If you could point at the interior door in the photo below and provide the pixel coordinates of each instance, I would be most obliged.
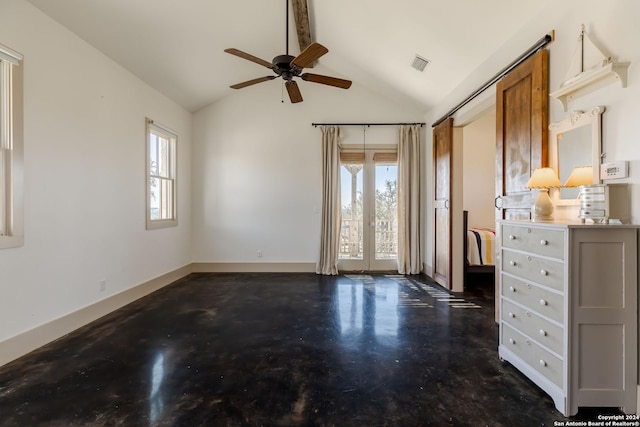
(521, 134)
(442, 160)
(522, 120)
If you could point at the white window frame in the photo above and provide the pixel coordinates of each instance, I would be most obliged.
(171, 175)
(11, 150)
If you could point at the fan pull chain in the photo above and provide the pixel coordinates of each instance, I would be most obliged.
(282, 94)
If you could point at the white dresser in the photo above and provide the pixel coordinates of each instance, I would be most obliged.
(568, 310)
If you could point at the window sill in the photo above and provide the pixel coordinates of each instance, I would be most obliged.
(154, 225)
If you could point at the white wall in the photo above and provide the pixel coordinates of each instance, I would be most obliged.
(258, 167)
(84, 137)
(614, 26)
(479, 170)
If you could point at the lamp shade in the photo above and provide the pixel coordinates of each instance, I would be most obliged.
(544, 178)
(580, 175)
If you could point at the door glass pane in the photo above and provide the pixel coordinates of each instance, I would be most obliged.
(352, 214)
(386, 209)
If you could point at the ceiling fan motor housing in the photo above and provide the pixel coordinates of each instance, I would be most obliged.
(282, 66)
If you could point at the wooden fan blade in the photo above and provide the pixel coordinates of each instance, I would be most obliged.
(326, 80)
(294, 91)
(249, 57)
(252, 82)
(310, 54)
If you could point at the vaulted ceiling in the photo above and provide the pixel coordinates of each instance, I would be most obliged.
(177, 47)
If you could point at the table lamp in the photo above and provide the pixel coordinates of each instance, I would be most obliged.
(543, 179)
(580, 175)
(593, 205)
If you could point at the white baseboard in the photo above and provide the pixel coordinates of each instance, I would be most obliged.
(253, 267)
(428, 270)
(30, 340)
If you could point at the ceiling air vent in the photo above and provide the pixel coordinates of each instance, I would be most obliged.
(419, 63)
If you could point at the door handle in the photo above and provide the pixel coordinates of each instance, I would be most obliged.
(497, 202)
(446, 204)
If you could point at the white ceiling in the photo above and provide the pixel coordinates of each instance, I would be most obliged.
(177, 46)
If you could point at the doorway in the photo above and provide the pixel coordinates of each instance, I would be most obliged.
(479, 169)
(521, 103)
(369, 203)
(478, 194)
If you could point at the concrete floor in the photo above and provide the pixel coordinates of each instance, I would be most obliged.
(281, 349)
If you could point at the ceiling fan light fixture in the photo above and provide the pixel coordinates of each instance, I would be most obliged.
(420, 63)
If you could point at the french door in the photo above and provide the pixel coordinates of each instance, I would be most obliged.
(369, 201)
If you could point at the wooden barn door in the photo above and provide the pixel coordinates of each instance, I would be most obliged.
(442, 160)
(522, 116)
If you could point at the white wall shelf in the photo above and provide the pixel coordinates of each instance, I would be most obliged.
(590, 80)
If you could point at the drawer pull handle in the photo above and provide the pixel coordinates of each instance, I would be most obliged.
(512, 289)
(544, 242)
(512, 315)
(543, 302)
(512, 237)
(543, 363)
(544, 272)
(512, 341)
(512, 263)
(543, 332)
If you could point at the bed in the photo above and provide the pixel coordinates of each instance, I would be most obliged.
(479, 246)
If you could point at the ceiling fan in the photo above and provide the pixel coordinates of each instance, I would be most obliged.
(288, 67)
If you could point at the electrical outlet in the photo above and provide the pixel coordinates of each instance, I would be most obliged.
(103, 285)
(259, 254)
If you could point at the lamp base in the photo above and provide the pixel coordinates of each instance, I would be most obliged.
(543, 207)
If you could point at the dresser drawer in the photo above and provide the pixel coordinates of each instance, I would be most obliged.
(539, 299)
(539, 270)
(535, 240)
(593, 213)
(592, 189)
(535, 356)
(599, 205)
(529, 323)
(593, 198)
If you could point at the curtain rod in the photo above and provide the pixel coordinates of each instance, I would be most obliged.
(365, 124)
(548, 38)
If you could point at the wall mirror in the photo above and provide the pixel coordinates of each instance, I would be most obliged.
(575, 141)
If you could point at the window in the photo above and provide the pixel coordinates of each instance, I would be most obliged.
(11, 149)
(161, 176)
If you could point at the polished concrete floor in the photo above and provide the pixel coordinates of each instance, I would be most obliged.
(280, 350)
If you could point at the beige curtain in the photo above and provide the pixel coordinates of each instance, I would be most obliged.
(409, 212)
(330, 228)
